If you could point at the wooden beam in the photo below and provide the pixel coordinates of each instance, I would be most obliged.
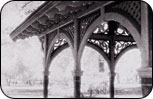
(100, 37)
(124, 38)
(108, 37)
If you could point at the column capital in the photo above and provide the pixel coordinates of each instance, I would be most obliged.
(145, 72)
(77, 73)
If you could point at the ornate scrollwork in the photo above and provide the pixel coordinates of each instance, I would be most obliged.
(86, 21)
(104, 45)
(133, 8)
(120, 45)
(59, 42)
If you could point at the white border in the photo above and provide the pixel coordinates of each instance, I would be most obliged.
(2, 2)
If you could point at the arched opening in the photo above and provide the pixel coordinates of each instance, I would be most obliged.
(112, 37)
(60, 77)
(126, 23)
(60, 41)
(95, 78)
(56, 15)
(127, 81)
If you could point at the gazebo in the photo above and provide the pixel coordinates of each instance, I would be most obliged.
(109, 27)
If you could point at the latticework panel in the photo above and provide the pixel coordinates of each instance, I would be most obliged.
(131, 9)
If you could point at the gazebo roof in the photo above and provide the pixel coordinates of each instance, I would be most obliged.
(52, 15)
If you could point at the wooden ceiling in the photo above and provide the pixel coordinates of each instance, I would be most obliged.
(53, 14)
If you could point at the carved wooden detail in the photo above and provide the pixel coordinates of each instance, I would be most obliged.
(121, 45)
(86, 21)
(69, 30)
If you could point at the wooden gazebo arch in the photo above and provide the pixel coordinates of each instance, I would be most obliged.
(77, 21)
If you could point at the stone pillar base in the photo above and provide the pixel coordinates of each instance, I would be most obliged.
(146, 80)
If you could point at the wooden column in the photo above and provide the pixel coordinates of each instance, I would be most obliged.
(112, 27)
(77, 71)
(145, 72)
(112, 78)
(46, 81)
(77, 83)
(46, 72)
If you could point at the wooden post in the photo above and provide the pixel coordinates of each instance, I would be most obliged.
(77, 83)
(145, 72)
(112, 89)
(46, 72)
(46, 81)
(112, 27)
(77, 71)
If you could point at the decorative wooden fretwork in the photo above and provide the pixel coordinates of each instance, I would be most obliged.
(86, 21)
(103, 44)
(69, 30)
(120, 38)
(59, 42)
(121, 45)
